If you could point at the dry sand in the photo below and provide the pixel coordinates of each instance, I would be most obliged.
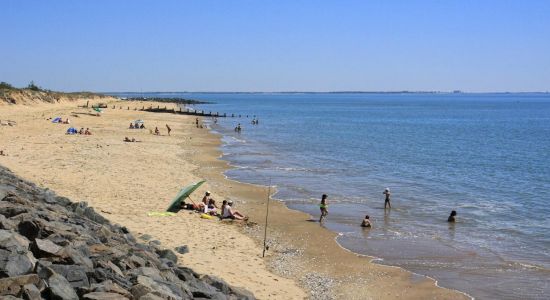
(125, 181)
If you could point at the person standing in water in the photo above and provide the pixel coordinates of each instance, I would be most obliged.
(387, 201)
(324, 207)
(451, 218)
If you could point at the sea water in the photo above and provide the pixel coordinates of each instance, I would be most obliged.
(487, 156)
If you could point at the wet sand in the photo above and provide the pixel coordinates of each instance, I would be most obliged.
(124, 181)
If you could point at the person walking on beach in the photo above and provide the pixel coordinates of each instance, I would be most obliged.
(324, 207)
(387, 201)
(169, 129)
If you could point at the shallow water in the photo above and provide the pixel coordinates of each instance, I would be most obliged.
(485, 155)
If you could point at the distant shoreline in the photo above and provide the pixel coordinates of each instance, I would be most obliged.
(330, 92)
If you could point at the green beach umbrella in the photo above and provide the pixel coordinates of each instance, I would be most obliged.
(97, 109)
(183, 194)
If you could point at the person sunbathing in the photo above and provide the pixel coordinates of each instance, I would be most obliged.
(126, 139)
(203, 205)
(230, 213)
(87, 132)
(132, 126)
(212, 207)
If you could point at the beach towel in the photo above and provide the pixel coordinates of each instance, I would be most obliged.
(160, 214)
(72, 130)
(57, 120)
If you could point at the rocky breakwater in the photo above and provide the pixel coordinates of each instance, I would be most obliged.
(52, 248)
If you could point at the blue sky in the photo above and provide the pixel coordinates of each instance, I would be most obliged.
(277, 45)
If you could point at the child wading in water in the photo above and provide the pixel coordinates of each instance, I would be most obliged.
(324, 207)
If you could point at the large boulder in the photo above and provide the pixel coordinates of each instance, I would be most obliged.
(60, 288)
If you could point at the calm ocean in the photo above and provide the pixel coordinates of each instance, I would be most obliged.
(485, 155)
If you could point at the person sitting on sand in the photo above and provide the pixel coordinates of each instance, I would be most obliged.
(387, 200)
(212, 207)
(451, 218)
(366, 222)
(81, 131)
(2, 153)
(157, 132)
(142, 126)
(67, 121)
(203, 205)
(87, 132)
(324, 207)
(126, 139)
(229, 213)
(132, 126)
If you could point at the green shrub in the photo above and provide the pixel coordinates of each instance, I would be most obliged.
(33, 87)
(6, 86)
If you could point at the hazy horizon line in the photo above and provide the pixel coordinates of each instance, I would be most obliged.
(326, 92)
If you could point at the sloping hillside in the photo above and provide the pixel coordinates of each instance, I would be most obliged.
(10, 96)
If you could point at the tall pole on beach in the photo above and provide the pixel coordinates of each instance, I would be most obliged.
(266, 215)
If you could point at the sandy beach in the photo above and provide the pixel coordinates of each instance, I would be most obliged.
(124, 181)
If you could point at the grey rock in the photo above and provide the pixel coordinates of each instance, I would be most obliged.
(136, 261)
(111, 287)
(75, 275)
(45, 248)
(154, 243)
(150, 296)
(13, 241)
(100, 275)
(216, 282)
(29, 229)
(104, 296)
(82, 209)
(160, 288)
(16, 263)
(77, 257)
(186, 274)
(145, 237)
(139, 290)
(60, 288)
(166, 264)
(13, 283)
(10, 211)
(146, 271)
(6, 223)
(168, 254)
(200, 289)
(42, 268)
(241, 294)
(31, 292)
(182, 249)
